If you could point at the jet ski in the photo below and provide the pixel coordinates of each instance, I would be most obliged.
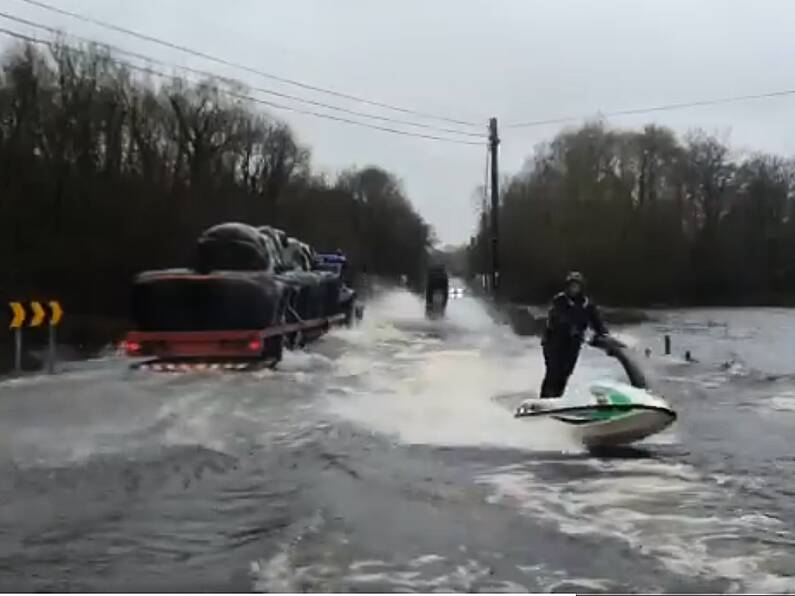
(612, 413)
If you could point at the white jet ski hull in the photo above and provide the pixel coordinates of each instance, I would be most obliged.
(633, 427)
(611, 414)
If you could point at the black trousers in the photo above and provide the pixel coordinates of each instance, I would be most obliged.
(560, 359)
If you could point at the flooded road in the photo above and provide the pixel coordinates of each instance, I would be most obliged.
(380, 461)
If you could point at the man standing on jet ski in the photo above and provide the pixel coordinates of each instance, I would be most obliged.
(570, 315)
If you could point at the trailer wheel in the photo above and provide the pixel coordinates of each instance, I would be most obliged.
(292, 315)
(274, 349)
(350, 314)
(274, 346)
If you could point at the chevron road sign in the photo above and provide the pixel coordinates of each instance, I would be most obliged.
(34, 314)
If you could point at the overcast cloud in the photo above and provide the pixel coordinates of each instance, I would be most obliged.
(471, 59)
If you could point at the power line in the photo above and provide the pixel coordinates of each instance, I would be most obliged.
(243, 67)
(229, 80)
(245, 97)
(339, 94)
(661, 108)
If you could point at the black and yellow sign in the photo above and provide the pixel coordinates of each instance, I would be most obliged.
(18, 315)
(35, 314)
(56, 313)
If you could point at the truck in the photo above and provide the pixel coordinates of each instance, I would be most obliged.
(250, 293)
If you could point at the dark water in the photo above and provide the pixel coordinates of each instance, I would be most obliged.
(379, 461)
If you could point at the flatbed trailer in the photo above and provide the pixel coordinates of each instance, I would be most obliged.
(173, 351)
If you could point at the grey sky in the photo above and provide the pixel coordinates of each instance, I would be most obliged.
(471, 59)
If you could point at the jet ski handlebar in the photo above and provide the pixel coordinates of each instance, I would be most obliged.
(618, 350)
(606, 343)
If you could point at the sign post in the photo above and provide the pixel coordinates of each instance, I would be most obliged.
(18, 350)
(17, 318)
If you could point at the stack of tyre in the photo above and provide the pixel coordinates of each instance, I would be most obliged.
(243, 278)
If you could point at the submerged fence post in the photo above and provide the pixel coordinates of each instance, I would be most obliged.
(51, 356)
(667, 345)
(18, 350)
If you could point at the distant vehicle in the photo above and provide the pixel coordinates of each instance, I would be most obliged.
(437, 291)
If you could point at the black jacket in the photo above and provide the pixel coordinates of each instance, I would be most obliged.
(569, 318)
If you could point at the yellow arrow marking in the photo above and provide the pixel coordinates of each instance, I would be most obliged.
(19, 315)
(57, 313)
(38, 314)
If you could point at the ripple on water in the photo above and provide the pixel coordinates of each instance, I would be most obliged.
(426, 573)
(665, 510)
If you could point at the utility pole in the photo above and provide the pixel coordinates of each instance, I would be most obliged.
(494, 142)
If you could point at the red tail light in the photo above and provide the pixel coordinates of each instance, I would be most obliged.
(255, 345)
(132, 347)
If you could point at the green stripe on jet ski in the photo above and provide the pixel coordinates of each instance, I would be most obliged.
(614, 397)
(595, 414)
(619, 399)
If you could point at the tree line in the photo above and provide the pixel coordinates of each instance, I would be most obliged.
(104, 173)
(649, 217)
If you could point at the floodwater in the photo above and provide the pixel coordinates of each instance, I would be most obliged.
(379, 460)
